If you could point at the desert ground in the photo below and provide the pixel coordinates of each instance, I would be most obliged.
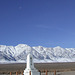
(64, 68)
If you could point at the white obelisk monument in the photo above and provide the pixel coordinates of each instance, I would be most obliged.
(30, 69)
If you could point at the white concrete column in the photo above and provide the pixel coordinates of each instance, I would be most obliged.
(30, 63)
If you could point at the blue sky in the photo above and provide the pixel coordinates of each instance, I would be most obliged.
(48, 23)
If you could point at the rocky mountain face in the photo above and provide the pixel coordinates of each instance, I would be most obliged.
(41, 54)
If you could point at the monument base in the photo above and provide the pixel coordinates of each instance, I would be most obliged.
(31, 72)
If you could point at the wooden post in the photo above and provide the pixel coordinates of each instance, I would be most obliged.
(55, 72)
(10, 73)
(30, 73)
(46, 72)
(40, 72)
(22, 72)
(43, 70)
(16, 73)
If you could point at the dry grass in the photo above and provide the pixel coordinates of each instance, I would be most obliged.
(19, 67)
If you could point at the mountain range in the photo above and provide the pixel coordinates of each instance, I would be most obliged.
(41, 54)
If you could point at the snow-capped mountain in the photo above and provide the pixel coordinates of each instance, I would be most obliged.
(41, 54)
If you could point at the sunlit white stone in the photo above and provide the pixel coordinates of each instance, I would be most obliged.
(30, 66)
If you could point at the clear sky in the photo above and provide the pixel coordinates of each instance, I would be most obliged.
(48, 23)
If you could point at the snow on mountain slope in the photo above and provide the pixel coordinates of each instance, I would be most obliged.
(41, 54)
